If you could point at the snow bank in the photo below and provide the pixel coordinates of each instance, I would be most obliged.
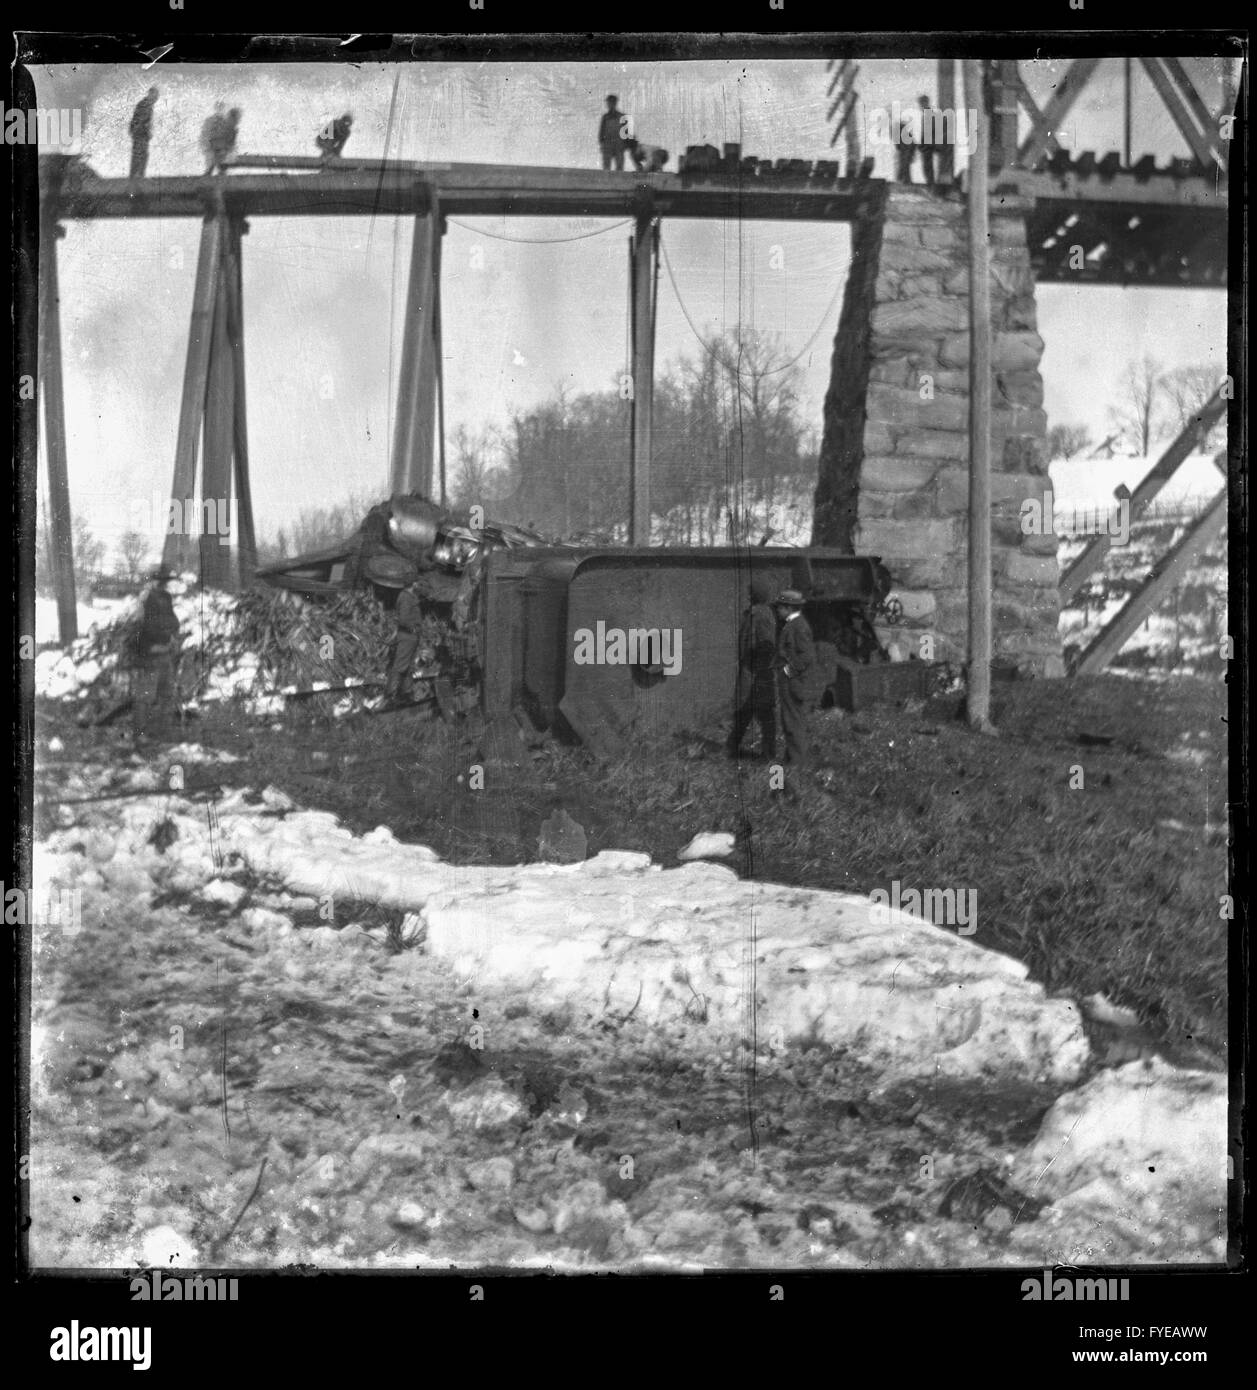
(1142, 1147)
(617, 933)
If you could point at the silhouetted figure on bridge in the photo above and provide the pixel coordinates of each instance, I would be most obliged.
(613, 135)
(141, 129)
(218, 137)
(331, 137)
(914, 138)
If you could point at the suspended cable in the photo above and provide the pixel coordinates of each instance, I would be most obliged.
(776, 371)
(537, 240)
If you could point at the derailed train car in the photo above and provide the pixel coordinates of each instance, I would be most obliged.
(609, 643)
(595, 642)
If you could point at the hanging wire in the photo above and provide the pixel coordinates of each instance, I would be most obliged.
(537, 240)
(776, 371)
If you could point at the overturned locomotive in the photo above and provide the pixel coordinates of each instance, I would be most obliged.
(596, 642)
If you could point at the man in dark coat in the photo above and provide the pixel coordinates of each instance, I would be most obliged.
(796, 656)
(141, 130)
(153, 674)
(409, 614)
(612, 135)
(756, 692)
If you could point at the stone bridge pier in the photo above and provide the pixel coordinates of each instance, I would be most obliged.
(894, 455)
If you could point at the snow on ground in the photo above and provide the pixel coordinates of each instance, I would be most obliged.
(1140, 1148)
(94, 614)
(679, 943)
(206, 621)
(611, 938)
(1081, 482)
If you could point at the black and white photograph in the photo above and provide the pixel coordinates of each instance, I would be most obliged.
(627, 662)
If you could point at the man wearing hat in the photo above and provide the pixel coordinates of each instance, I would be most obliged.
(756, 693)
(153, 674)
(409, 615)
(796, 656)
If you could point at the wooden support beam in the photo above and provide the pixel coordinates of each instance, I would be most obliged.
(978, 682)
(1198, 141)
(469, 190)
(195, 383)
(414, 426)
(1195, 103)
(52, 386)
(216, 456)
(645, 250)
(1042, 140)
(1004, 105)
(1092, 556)
(1166, 574)
(946, 154)
(245, 538)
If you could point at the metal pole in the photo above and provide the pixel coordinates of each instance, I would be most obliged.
(979, 681)
(61, 527)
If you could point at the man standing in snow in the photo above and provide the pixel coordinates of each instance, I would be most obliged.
(153, 674)
(796, 656)
(409, 614)
(756, 695)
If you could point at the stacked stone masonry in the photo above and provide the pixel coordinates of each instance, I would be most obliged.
(905, 492)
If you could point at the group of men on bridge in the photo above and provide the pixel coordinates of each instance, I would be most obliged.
(219, 133)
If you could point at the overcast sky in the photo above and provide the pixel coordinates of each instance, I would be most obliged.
(324, 296)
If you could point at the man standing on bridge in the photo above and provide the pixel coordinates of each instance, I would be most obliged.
(141, 130)
(613, 135)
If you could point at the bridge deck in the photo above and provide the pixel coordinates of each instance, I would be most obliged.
(468, 190)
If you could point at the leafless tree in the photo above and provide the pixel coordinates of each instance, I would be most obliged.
(1139, 413)
(88, 554)
(1066, 441)
(1187, 390)
(132, 553)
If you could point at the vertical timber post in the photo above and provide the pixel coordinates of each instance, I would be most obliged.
(1003, 127)
(246, 539)
(644, 251)
(195, 372)
(220, 415)
(946, 172)
(978, 696)
(439, 358)
(416, 391)
(53, 387)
